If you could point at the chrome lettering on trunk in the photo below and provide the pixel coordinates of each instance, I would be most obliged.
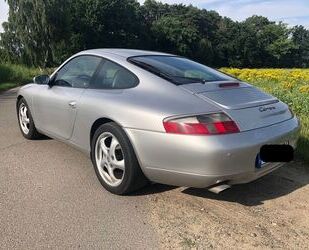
(263, 109)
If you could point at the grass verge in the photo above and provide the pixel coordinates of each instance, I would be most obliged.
(7, 85)
(12, 75)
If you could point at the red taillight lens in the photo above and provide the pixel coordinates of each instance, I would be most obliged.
(212, 124)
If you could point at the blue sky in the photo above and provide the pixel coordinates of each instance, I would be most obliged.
(292, 12)
(3, 13)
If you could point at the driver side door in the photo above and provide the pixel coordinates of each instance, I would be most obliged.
(56, 106)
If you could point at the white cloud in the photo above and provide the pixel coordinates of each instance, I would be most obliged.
(292, 12)
(271, 9)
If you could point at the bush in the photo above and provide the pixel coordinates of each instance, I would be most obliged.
(11, 73)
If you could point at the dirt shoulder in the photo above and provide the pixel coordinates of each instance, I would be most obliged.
(272, 212)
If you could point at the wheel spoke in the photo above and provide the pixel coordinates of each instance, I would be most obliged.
(111, 174)
(117, 164)
(99, 156)
(104, 148)
(24, 119)
(23, 112)
(107, 176)
(112, 148)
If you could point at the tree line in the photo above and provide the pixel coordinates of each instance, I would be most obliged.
(45, 32)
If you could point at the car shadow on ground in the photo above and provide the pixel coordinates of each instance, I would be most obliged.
(43, 138)
(269, 187)
(279, 183)
(153, 188)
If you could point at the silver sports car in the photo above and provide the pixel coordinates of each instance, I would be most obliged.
(149, 116)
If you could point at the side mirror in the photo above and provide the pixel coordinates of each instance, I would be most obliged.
(42, 79)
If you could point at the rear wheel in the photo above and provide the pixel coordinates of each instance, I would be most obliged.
(25, 121)
(114, 160)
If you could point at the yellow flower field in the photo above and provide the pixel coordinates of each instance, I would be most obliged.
(290, 86)
(288, 79)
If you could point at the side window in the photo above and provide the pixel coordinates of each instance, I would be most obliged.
(113, 76)
(78, 72)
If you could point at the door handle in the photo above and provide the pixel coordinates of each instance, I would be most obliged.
(72, 104)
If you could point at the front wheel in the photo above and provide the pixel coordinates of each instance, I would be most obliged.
(25, 120)
(114, 160)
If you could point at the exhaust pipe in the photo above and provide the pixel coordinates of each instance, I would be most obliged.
(218, 189)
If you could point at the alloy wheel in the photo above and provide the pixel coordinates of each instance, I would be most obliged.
(110, 159)
(24, 119)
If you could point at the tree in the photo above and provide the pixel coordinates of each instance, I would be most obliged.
(107, 23)
(45, 32)
(11, 46)
(175, 34)
(300, 38)
(34, 28)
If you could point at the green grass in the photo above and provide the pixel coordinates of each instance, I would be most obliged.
(303, 142)
(7, 85)
(12, 75)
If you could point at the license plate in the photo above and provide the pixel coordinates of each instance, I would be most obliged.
(276, 153)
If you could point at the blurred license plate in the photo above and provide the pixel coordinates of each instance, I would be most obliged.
(277, 153)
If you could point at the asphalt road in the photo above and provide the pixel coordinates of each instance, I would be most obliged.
(50, 197)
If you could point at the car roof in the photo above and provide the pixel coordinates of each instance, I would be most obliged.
(126, 53)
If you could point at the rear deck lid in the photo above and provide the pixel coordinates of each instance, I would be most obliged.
(238, 98)
(248, 106)
(230, 96)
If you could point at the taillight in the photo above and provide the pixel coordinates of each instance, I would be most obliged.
(210, 124)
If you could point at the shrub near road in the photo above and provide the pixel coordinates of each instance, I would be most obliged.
(290, 86)
(12, 75)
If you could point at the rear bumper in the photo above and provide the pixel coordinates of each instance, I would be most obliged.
(201, 161)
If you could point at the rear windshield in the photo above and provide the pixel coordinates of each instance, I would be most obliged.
(179, 70)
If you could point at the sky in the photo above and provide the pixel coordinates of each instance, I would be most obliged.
(4, 9)
(292, 12)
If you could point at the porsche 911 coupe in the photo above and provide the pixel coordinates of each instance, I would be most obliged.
(150, 116)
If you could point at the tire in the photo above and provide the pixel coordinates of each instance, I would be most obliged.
(26, 124)
(114, 160)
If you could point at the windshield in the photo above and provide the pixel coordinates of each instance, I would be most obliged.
(179, 70)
